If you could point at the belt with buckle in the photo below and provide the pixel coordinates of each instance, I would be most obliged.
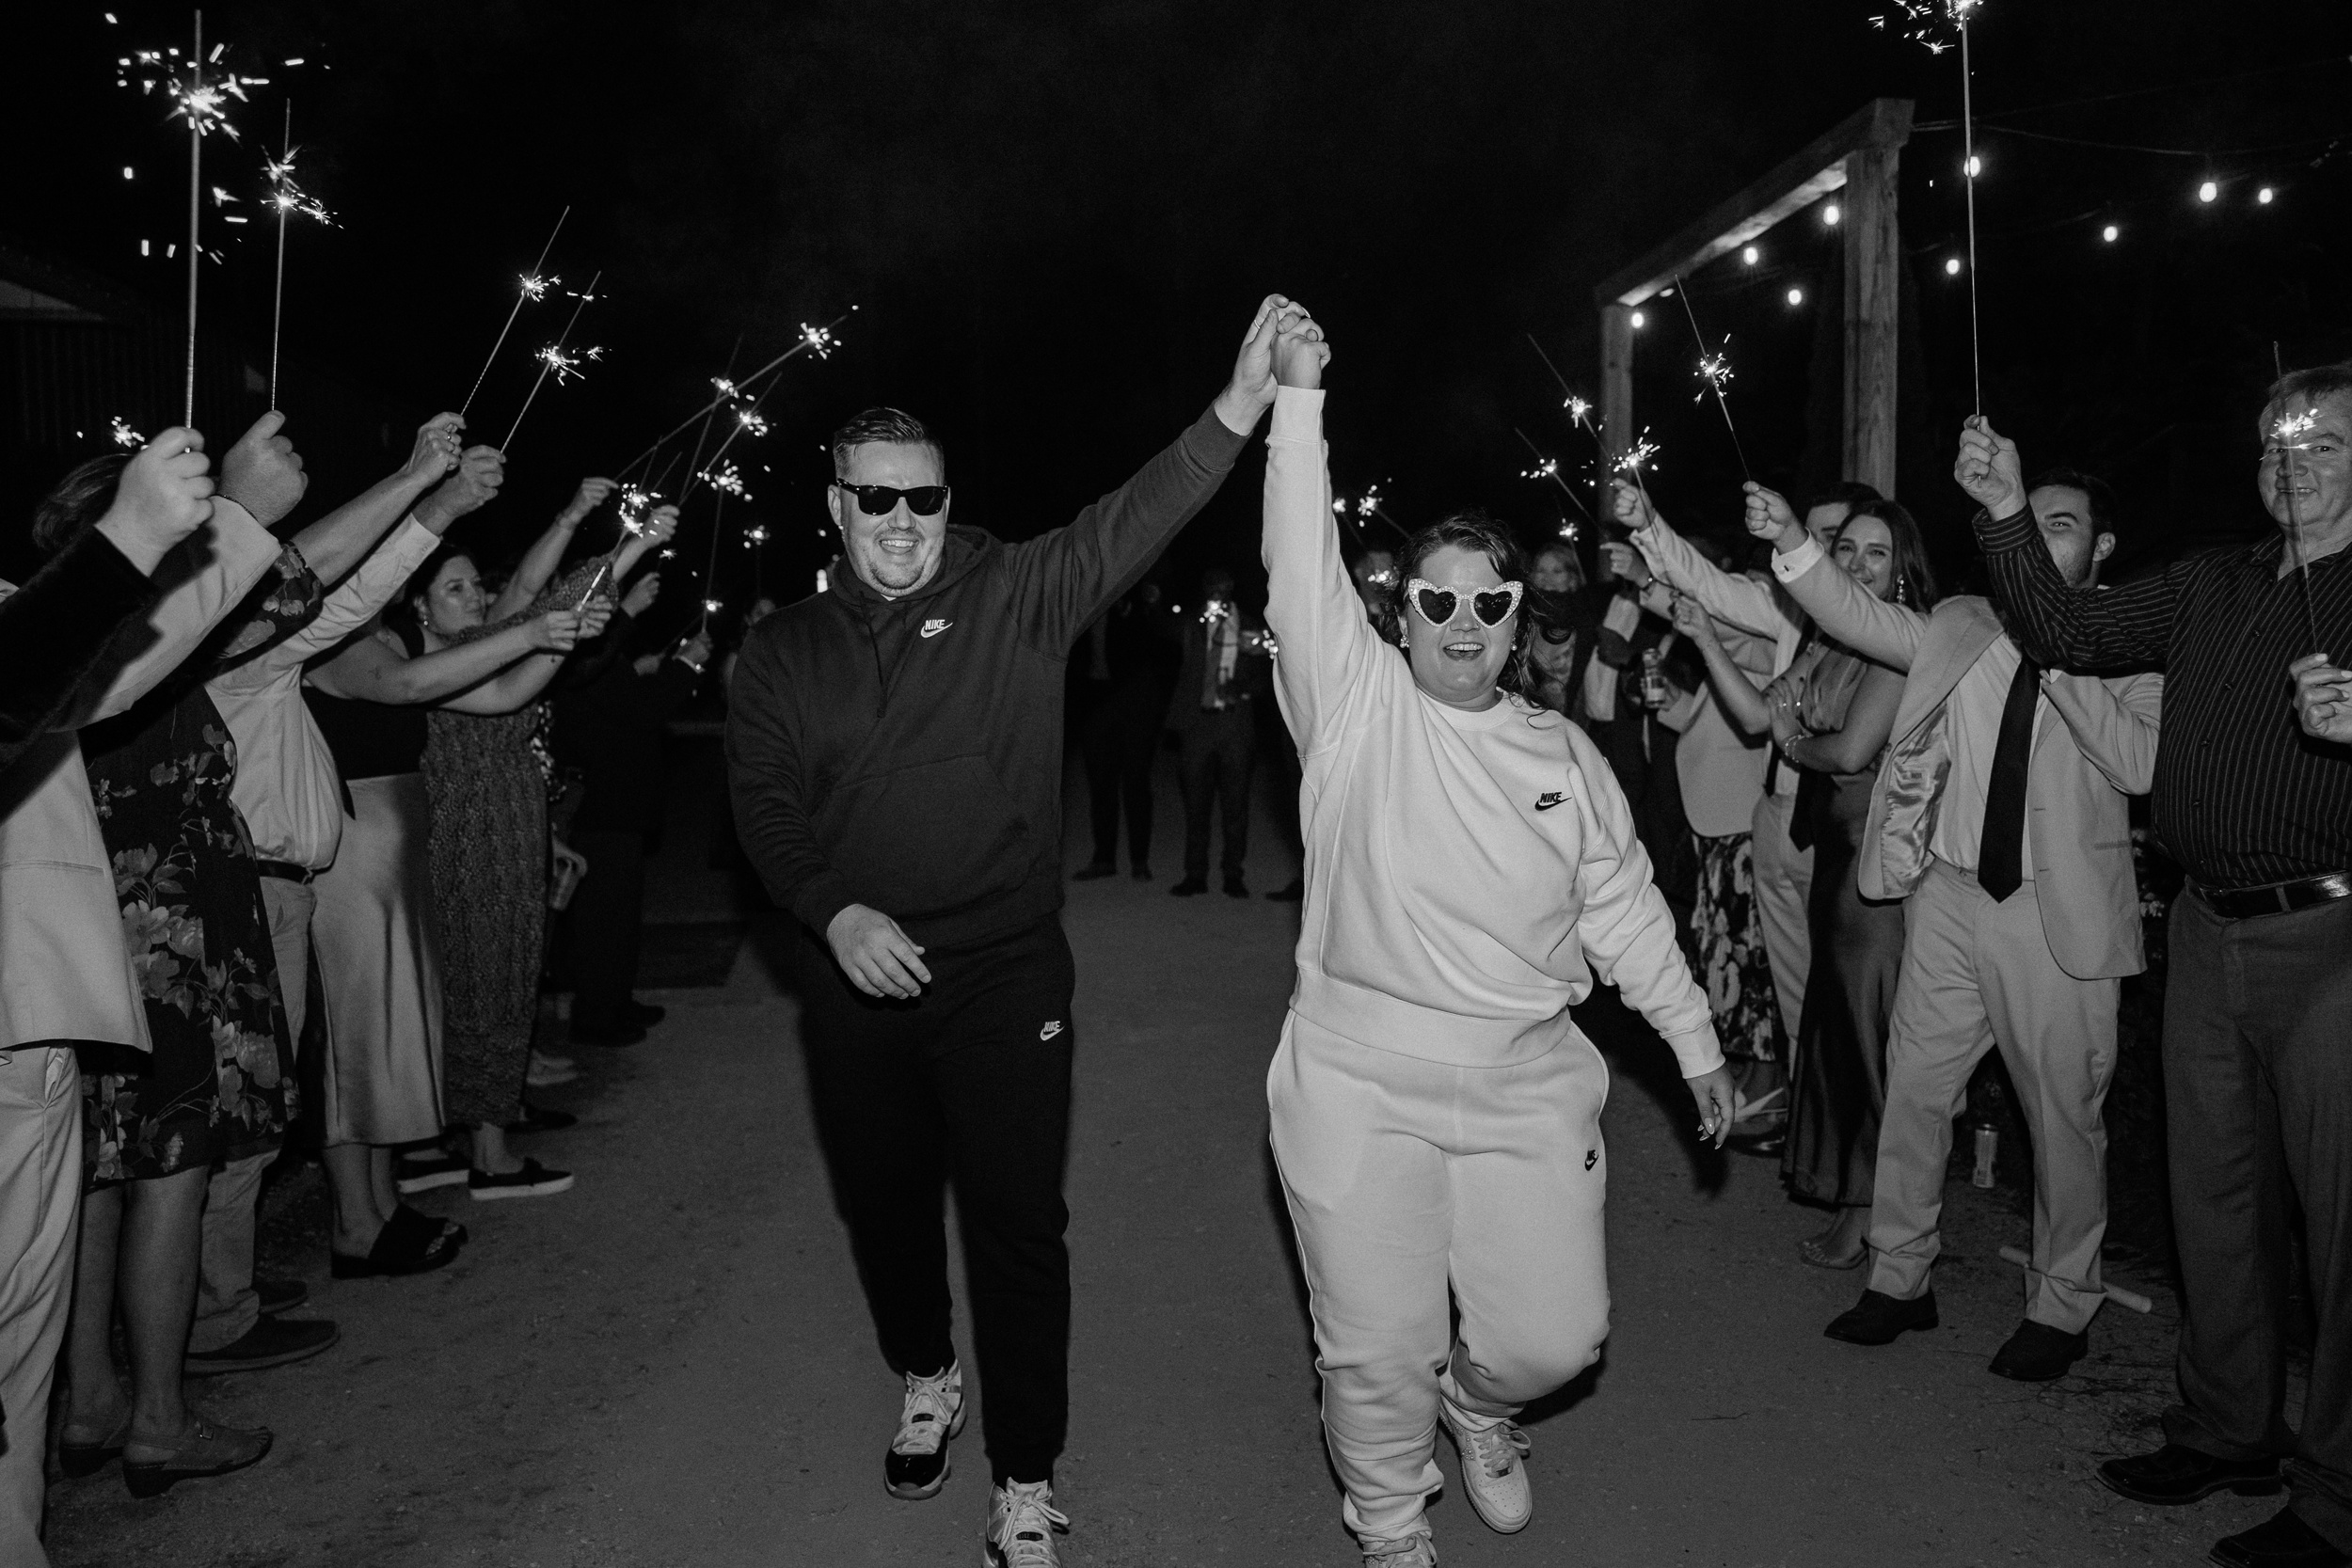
(2244, 903)
(285, 871)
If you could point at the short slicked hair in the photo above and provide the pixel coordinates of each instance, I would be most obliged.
(2314, 386)
(1851, 494)
(894, 426)
(2099, 492)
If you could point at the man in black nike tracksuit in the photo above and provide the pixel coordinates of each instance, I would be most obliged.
(895, 752)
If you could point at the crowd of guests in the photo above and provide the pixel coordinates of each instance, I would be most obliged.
(280, 806)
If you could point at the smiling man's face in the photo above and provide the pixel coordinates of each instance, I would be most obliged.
(897, 552)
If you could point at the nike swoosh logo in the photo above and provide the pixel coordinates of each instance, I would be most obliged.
(932, 628)
(1050, 1030)
(1553, 798)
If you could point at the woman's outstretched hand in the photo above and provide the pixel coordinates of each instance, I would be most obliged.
(1715, 1095)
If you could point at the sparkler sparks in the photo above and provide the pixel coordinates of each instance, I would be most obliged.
(1636, 457)
(727, 479)
(1578, 410)
(752, 422)
(530, 286)
(565, 366)
(1715, 370)
(289, 198)
(818, 340)
(199, 97)
(1922, 22)
(124, 435)
(754, 536)
(534, 287)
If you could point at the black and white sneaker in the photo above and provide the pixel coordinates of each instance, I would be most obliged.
(437, 1169)
(916, 1467)
(1021, 1524)
(533, 1181)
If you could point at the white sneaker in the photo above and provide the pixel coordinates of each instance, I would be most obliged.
(1492, 1473)
(916, 1466)
(1417, 1550)
(1022, 1522)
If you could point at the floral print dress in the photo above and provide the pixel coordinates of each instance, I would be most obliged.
(219, 1083)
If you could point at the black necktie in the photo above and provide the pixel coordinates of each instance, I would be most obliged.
(2000, 851)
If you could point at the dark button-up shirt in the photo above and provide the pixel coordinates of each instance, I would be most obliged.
(2242, 796)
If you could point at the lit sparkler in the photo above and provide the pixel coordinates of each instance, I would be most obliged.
(1924, 22)
(554, 360)
(754, 536)
(1637, 457)
(124, 435)
(1548, 467)
(819, 341)
(727, 479)
(2287, 434)
(752, 422)
(288, 198)
(532, 286)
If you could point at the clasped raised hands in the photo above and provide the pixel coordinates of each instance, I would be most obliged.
(1250, 392)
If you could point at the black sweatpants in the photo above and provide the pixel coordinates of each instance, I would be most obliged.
(1217, 750)
(968, 1082)
(608, 926)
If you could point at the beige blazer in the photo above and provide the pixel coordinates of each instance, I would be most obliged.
(64, 973)
(2083, 769)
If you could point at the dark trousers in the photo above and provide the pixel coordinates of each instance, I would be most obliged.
(2258, 1086)
(968, 1082)
(1218, 748)
(608, 926)
(1120, 734)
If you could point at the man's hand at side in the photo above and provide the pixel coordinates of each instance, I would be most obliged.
(876, 953)
(2322, 699)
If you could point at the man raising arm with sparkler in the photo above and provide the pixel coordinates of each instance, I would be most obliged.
(895, 752)
(2259, 999)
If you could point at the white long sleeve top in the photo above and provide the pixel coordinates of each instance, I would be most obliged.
(1467, 874)
(286, 784)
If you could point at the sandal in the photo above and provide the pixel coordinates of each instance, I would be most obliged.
(78, 1460)
(206, 1451)
(410, 1243)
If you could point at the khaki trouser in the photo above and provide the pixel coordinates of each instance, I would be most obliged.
(41, 1204)
(1977, 973)
(226, 1306)
(1784, 886)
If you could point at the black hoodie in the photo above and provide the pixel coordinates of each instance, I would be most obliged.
(905, 754)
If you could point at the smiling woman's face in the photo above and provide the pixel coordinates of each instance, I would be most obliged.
(454, 600)
(1459, 662)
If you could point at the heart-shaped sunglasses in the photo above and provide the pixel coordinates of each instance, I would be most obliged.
(1436, 604)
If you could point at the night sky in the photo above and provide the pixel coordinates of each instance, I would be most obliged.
(1055, 219)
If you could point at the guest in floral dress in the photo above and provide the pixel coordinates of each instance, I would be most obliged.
(218, 1083)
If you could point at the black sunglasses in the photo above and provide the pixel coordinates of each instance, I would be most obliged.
(881, 500)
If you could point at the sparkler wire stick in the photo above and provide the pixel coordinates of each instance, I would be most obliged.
(278, 295)
(520, 294)
(1968, 150)
(196, 192)
(552, 359)
(710, 567)
(1715, 370)
(1548, 467)
(816, 338)
(2288, 432)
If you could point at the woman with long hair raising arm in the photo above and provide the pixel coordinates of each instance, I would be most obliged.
(1472, 873)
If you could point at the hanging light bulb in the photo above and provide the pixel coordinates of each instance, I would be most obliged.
(1639, 320)
(2264, 195)
(1830, 214)
(1951, 266)
(1751, 255)
(2208, 191)
(1796, 296)
(2110, 233)
(1975, 166)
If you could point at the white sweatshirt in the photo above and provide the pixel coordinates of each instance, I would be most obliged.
(1466, 873)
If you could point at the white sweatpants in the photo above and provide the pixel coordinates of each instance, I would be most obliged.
(1404, 1176)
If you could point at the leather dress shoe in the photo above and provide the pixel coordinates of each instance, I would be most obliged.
(643, 1014)
(1094, 871)
(2173, 1475)
(2038, 1352)
(1878, 1318)
(1234, 886)
(1191, 887)
(2282, 1541)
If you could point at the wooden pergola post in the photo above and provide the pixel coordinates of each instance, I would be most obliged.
(1861, 156)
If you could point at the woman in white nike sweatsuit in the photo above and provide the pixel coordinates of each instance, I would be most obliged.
(1470, 865)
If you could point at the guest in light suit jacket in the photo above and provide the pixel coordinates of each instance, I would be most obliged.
(2000, 814)
(65, 975)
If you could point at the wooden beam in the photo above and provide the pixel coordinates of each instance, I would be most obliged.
(1874, 260)
(1617, 399)
(1883, 124)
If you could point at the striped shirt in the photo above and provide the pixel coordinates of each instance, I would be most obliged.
(2242, 796)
